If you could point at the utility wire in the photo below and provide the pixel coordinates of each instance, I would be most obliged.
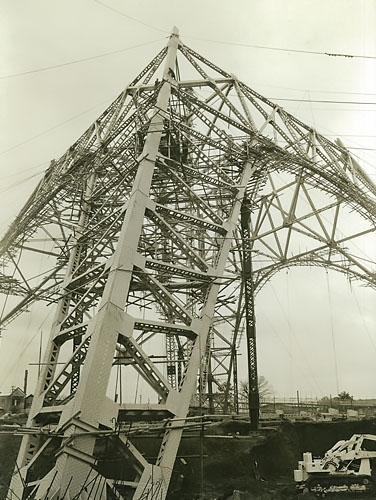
(20, 355)
(329, 101)
(284, 49)
(86, 111)
(131, 18)
(19, 172)
(332, 332)
(286, 316)
(347, 147)
(318, 100)
(52, 128)
(46, 68)
(308, 90)
(17, 184)
(240, 44)
(362, 316)
(354, 142)
(348, 135)
(309, 379)
(363, 149)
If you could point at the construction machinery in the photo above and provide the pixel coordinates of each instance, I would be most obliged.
(345, 468)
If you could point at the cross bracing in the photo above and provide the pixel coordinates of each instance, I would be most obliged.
(140, 226)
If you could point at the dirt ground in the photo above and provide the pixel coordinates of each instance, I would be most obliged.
(8, 453)
(257, 466)
(237, 464)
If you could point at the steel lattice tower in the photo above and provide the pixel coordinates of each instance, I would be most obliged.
(153, 216)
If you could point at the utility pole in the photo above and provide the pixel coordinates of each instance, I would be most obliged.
(40, 353)
(25, 381)
(253, 389)
(297, 398)
(25, 386)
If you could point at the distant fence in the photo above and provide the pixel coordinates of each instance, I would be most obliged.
(217, 404)
(319, 405)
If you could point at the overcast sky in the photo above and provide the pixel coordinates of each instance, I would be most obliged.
(316, 334)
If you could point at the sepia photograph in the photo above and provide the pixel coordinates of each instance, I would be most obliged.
(187, 250)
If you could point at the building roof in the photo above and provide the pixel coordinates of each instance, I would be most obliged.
(16, 391)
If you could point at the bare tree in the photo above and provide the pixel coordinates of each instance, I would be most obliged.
(265, 388)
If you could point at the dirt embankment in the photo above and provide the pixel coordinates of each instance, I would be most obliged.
(259, 465)
(8, 453)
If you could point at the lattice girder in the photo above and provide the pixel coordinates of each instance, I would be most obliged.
(143, 214)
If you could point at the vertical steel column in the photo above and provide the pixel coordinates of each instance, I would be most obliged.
(235, 379)
(30, 443)
(253, 390)
(111, 319)
(73, 467)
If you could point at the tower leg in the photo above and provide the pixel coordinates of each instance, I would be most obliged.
(253, 389)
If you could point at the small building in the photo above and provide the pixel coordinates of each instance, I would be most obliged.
(12, 402)
(28, 401)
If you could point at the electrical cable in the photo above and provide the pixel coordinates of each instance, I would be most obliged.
(363, 320)
(19, 183)
(330, 101)
(241, 44)
(321, 101)
(275, 332)
(106, 100)
(303, 199)
(309, 90)
(349, 135)
(52, 128)
(284, 49)
(296, 340)
(354, 142)
(332, 331)
(363, 149)
(131, 18)
(47, 68)
(8, 292)
(19, 172)
(26, 347)
(347, 147)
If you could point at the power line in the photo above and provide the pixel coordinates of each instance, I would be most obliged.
(365, 161)
(46, 68)
(20, 355)
(330, 101)
(310, 90)
(106, 100)
(332, 332)
(241, 44)
(363, 320)
(19, 172)
(353, 154)
(130, 17)
(18, 183)
(347, 147)
(284, 49)
(363, 149)
(51, 128)
(306, 362)
(348, 135)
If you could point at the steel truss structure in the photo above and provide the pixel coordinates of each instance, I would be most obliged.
(148, 224)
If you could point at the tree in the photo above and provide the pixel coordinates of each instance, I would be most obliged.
(265, 388)
(344, 396)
